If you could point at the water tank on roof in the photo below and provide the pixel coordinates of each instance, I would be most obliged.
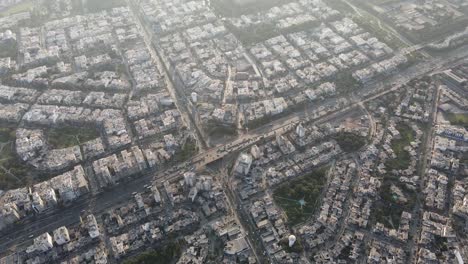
(292, 240)
(194, 97)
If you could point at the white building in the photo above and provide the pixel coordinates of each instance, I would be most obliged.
(243, 164)
(61, 235)
(43, 242)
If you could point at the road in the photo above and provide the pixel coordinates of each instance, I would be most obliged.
(180, 101)
(386, 27)
(240, 215)
(120, 194)
(426, 149)
(373, 125)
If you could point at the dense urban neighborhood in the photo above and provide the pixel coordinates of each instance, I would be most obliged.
(233, 131)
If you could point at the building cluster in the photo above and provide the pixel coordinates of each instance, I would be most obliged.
(421, 16)
(91, 71)
(459, 199)
(236, 248)
(436, 236)
(144, 222)
(135, 226)
(352, 240)
(401, 233)
(367, 188)
(345, 210)
(7, 3)
(353, 243)
(15, 101)
(115, 131)
(140, 236)
(209, 71)
(264, 109)
(66, 86)
(382, 252)
(161, 123)
(200, 190)
(60, 190)
(444, 191)
(80, 243)
(124, 73)
(14, 20)
(436, 190)
(109, 170)
(284, 157)
(417, 103)
(278, 160)
(330, 214)
(384, 67)
(166, 17)
(235, 84)
(287, 15)
(8, 43)
(397, 131)
(197, 250)
(272, 230)
(454, 89)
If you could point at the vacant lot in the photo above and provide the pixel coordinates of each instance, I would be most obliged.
(96, 6)
(402, 161)
(458, 119)
(13, 171)
(18, 8)
(188, 150)
(387, 210)
(167, 255)
(350, 142)
(69, 136)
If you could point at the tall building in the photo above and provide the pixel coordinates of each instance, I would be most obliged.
(61, 235)
(43, 242)
(243, 164)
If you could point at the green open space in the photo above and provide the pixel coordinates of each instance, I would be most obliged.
(13, 171)
(369, 23)
(215, 129)
(383, 33)
(188, 150)
(300, 197)
(459, 226)
(228, 8)
(69, 136)
(345, 82)
(350, 142)
(166, 255)
(99, 5)
(9, 50)
(219, 133)
(22, 6)
(261, 32)
(344, 254)
(441, 245)
(458, 119)
(403, 158)
(215, 249)
(387, 210)
(254, 34)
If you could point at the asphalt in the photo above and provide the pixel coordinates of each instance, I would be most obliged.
(122, 193)
(20, 234)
